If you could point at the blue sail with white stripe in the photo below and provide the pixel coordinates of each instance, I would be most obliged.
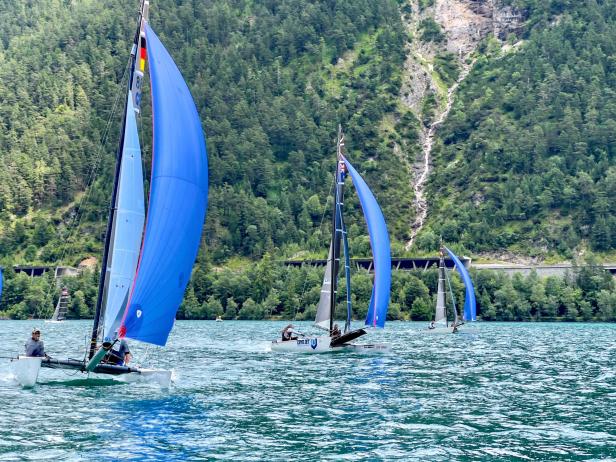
(379, 241)
(177, 203)
(128, 226)
(470, 304)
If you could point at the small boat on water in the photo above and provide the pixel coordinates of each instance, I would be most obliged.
(218, 319)
(333, 339)
(59, 313)
(441, 323)
(146, 263)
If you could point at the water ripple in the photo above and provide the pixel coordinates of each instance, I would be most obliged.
(509, 391)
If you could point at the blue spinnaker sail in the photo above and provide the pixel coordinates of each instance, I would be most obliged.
(128, 226)
(177, 203)
(470, 305)
(379, 241)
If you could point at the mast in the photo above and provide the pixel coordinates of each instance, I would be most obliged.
(336, 231)
(343, 231)
(137, 75)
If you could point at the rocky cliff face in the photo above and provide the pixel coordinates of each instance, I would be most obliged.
(456, 28)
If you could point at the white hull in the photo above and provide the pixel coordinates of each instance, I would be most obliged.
(321, 345)
(305, 345)
(50, 321)
(369, 348)
(26, 370)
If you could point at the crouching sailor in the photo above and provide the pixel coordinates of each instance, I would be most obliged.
(121, 356)
(34, 346)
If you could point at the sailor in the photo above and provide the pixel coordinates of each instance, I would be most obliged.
(34, 346)
(432, 325)
(287, 333)
(121, 356)
(336, 331)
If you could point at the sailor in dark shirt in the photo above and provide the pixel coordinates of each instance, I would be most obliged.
(34, 346)
(121, 356)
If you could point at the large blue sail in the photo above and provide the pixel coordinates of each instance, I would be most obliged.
(128, 226)
(177, 204)
(379, 241)
(470, 305)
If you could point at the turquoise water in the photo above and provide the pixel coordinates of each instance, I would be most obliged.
(510, 392)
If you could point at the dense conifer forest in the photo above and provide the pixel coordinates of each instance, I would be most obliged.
(524, 163)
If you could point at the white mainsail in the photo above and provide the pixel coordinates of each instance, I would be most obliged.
(322, 319)
(440, 315)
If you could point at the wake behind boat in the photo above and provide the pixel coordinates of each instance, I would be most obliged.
(441, 323)
(334, 339)
(145, 272)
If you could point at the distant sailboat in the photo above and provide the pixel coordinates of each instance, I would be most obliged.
(441, 323)
(333, 339)
(59, 313)
(146, 269)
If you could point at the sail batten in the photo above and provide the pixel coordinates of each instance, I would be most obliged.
(177, 203)
(379, 242)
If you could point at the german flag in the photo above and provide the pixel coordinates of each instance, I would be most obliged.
(142, 53)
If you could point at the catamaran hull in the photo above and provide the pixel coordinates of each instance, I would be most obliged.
(323, 345)
(368, 348)
(305, 345)
(26, 370)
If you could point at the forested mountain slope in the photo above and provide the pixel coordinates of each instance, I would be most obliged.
(272, 81)
(526, 160)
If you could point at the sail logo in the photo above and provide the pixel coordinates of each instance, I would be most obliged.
(139, 312)
(313, 343)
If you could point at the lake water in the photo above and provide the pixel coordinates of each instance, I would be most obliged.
(512, 391)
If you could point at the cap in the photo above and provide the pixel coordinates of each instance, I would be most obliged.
(36, 330)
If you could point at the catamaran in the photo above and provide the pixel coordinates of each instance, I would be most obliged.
(59, 314)
(333, 339)
(146, 269)
(441, 323)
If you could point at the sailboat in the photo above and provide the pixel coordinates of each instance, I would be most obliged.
(146, 263)
(333, 339)
(441, 323)
(59, 313)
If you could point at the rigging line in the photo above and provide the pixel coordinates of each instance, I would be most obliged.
(75, 223)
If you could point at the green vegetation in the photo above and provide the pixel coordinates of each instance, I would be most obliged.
(431, 31)
(269, 290)
(527, 156)
(525, 162)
